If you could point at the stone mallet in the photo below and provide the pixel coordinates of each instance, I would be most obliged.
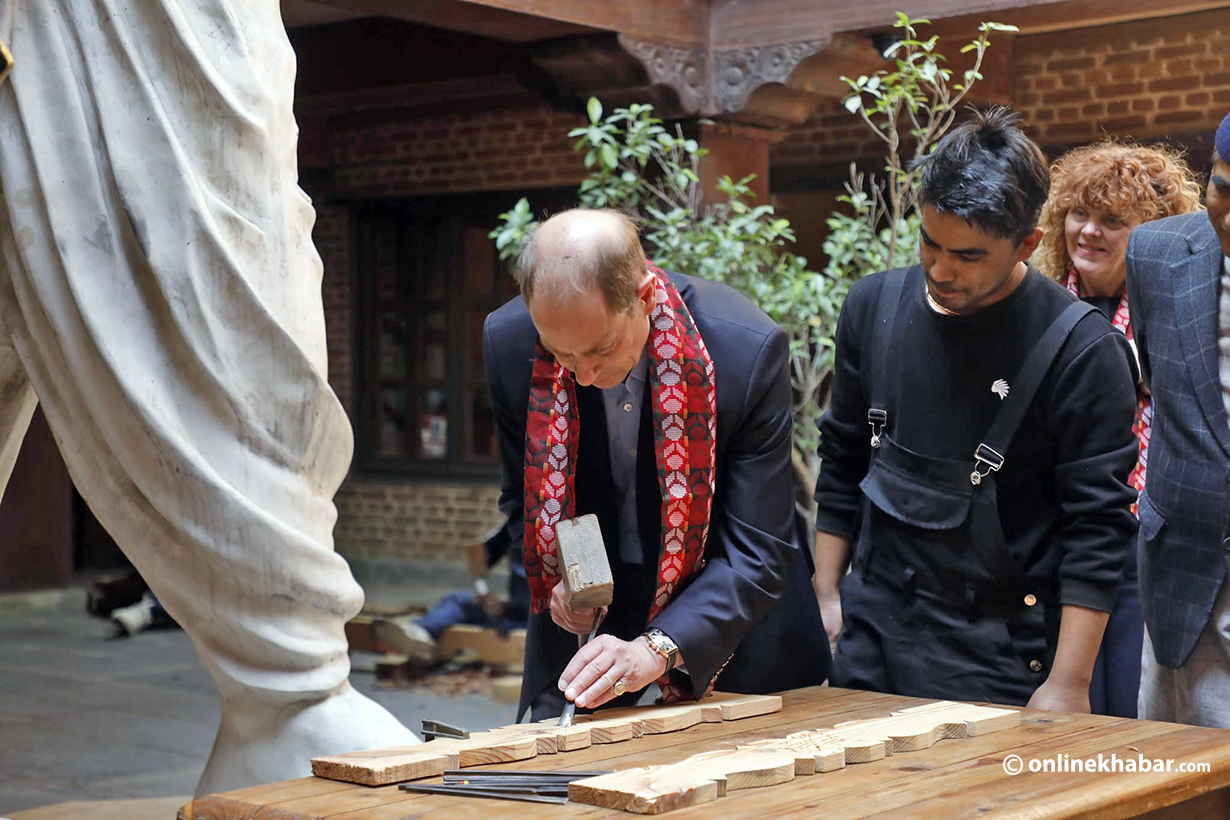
(585, 573)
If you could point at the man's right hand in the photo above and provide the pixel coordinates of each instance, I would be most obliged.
(578, 622)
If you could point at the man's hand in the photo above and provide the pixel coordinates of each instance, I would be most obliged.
(1060, 696)
(1067, 686)
(832, 559)
(602, 662)
(830, 613)
(578, 622)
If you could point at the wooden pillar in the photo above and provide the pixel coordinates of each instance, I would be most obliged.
(735, 150)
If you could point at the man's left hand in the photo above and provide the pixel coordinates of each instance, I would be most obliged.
(1057, 696)
(602, 662)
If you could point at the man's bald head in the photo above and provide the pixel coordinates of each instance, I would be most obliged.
(580, 251)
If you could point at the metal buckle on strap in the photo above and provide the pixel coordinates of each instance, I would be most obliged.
(877, 418)
(984, 455)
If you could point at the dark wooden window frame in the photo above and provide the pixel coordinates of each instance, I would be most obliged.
(450, 214)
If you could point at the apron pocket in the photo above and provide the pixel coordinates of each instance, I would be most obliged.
(925, 505)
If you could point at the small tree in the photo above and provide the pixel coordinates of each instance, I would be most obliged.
(640, 166)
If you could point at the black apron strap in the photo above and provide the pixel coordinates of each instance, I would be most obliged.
(888, 306)
(989, 456)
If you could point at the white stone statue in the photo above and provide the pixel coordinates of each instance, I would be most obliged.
(160, 296)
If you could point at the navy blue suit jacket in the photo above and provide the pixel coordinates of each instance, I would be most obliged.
(754, 553)
(1173, 269)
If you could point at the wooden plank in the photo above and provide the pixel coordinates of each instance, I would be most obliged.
(814, 752)
(730, 706)
(614, 730)
(379, 767)
(506, 689)
(658, 720)
(643, 790)
(487, 644)
(698, 779)
(651, 790)
(896, 786)
(739, 769)
(552, 738)
(978, 720)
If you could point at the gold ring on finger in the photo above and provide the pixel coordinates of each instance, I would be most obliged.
(618, 688)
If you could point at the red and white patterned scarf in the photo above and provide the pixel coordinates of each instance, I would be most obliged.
(681, 382)
(1143, 424)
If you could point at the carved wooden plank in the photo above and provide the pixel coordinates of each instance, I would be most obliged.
(739, 768)
(699, 779)
(379, 767)
(979, 720)
(814, 752)
(659, 719)
(614, 730)
(905, 733)
(551, 737)
(643, 790)
(722, 706)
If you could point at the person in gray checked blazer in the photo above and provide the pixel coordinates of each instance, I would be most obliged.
(1178, 280)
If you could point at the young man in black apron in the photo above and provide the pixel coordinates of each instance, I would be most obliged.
(976, 452)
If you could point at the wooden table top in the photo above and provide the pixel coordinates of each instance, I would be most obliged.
(954, 778)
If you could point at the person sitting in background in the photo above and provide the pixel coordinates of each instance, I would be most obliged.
(417, 637)
(1099, 193)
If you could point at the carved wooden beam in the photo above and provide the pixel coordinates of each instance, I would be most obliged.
(685, 70)
(737, 73)
(767, 85)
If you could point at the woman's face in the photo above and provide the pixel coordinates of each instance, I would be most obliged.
(1097, 245)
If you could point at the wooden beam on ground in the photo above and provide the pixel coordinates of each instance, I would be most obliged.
(487, 644)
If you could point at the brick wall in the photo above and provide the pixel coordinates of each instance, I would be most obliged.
(333, 238)
(833, 135)
(446, 154)
(415, 521)
(1144, 80)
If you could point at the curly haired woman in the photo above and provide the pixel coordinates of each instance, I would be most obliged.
(1099, 193)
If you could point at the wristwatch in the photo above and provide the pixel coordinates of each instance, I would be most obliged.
(661, 643)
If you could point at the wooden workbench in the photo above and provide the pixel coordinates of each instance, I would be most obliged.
(954, 778)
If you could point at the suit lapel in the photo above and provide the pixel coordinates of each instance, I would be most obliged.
(1196, 312)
